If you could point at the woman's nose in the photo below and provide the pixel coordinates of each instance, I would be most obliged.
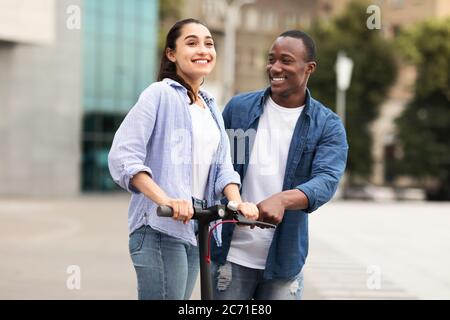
(202, 49)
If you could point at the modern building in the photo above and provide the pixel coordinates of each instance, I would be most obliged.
(40, 99)
(119, 62)
(70, 70)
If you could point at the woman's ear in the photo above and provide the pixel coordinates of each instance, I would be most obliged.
(170, 54)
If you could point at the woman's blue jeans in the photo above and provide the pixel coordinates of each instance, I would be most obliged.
(166, 267)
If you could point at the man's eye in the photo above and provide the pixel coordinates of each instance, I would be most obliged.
(191, 44)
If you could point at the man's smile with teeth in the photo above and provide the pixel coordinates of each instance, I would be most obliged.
(278, 78)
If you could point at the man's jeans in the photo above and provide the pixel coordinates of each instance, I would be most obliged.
(235, 282)
(166, 267)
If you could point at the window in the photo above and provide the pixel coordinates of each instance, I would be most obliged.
(98, 132)
(214, 10)
(251, 19)
(119, 61)
(270, 21)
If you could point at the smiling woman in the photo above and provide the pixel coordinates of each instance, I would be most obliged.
(144, 159)
(189, 56)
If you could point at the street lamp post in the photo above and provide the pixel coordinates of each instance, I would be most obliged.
(343, 68)
(231, 15)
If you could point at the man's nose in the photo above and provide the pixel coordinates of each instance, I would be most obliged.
(275, 67)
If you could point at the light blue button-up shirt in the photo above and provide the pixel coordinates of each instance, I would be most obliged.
(156, 137)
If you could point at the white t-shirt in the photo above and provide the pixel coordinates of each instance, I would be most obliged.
(264, 177)
(205, 141)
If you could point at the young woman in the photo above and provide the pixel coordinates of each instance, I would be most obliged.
(172, 146)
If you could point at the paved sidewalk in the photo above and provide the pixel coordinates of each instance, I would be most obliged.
(406, 243)
(351, 243)
(40, 239)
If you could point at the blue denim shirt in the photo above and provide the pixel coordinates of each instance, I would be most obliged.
(316, 161)
(156, 137)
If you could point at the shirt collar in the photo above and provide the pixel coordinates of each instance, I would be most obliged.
(205, 95)
(266, 93)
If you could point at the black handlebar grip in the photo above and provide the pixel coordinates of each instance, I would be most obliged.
(164, 211)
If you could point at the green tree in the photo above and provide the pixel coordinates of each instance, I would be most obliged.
(373, 73)
(423, 127)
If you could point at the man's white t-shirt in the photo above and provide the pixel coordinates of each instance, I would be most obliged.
(205, 141)
(264, 177)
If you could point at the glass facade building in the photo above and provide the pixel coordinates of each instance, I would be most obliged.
(119, 62)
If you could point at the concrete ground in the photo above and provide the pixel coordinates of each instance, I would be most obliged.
(358, 250)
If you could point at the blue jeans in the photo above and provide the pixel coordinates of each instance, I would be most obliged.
(166, 267)
(234, 282)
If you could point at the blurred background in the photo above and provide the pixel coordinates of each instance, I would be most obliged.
(70, 70)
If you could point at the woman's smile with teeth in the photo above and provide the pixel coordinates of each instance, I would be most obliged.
(201, 61)
(278, 79)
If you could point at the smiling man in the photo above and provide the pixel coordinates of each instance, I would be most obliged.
(291, 167)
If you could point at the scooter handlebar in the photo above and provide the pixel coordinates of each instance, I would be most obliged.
(164, 211)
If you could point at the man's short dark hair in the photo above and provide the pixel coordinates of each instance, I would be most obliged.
(307, 41)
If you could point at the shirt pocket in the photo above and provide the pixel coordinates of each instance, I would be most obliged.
(304, 166)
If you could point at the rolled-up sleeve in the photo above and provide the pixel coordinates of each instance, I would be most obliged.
(129, 148)
(328, 165)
